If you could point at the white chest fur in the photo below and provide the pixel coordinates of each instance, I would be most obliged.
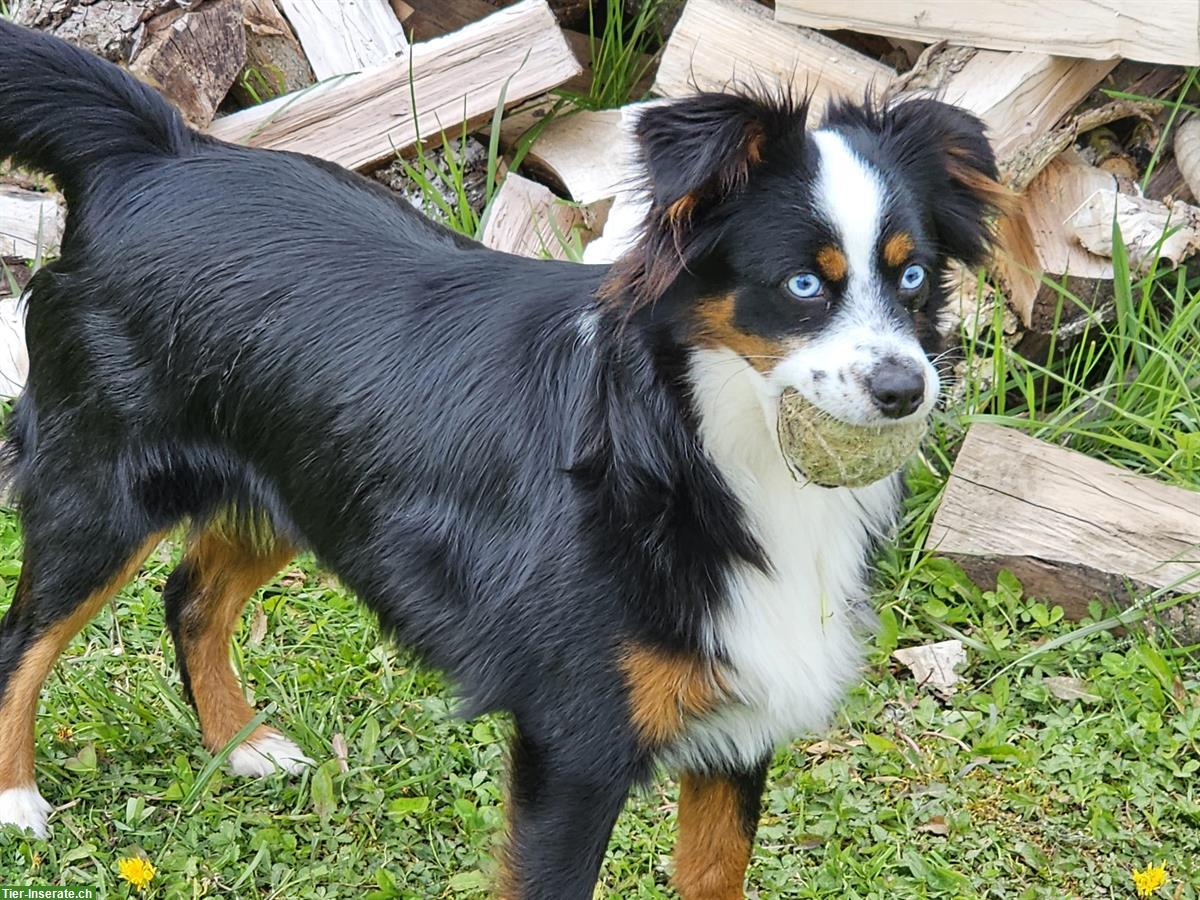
(791, 639)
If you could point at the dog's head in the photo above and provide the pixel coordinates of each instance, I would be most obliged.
(816, 255)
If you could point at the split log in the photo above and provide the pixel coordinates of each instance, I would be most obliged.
(433, 18)
(591, 153)
(722, 44)
(359, 120)
(1052, 197)
(1070, 527)
(108, 28)
(622, 227)
(31, 223)
(193, 57)
(275, 61)
(1167, 31)
(1021, 97)
(346, 37)
(526, 218)
(14, 356)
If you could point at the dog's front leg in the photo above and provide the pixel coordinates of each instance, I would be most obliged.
(563, 801)
(718, 815)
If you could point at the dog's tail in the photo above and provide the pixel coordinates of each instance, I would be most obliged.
(68, 113)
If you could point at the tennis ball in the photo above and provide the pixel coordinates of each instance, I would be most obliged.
(832, 453)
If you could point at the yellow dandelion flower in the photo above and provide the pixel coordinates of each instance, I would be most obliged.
(1149, 880)
(137, 870)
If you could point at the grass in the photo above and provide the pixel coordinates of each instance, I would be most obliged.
(620, 53)
(620, 59)
(1006, 790)
(1003, 791)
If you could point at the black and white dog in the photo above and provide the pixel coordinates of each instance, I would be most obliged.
(559, 483)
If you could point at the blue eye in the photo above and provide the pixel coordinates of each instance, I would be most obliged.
(806, 285)
(913, 278)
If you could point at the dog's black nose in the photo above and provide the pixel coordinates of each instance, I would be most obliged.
(897, 388)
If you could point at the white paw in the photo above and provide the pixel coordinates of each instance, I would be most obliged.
(267, 754)
(24, 808)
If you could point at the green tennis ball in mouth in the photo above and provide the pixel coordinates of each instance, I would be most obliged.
(832, 453)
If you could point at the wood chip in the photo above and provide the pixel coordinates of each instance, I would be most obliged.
(936, 825)
(1150, 230)
(1066, 688)
(341, 752)
(258, 626)
(933, 665)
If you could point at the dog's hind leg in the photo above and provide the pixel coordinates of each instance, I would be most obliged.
(79, 551)
(205, 596)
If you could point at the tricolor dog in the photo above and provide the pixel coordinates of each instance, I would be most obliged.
(560, 484)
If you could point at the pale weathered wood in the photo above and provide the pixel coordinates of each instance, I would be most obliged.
(108, 28)
(31, 223)
(722, 44)
(526, 218)
(347, 36)
(589, 152)
(193, 57)
(717, 45)
(1049, 201)
(1151, 231)
(1163, 31)
(1070, 527)
(361, 119)
(1021, 96)
(433, 18)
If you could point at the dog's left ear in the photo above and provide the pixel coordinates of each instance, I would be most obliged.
(944, 149)
(697, 152)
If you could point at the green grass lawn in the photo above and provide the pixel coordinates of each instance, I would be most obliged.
(1004, 791)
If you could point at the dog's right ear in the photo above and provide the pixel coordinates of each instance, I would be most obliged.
(697, 152)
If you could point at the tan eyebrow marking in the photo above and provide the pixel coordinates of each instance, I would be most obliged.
(832, 263)
(898, 248)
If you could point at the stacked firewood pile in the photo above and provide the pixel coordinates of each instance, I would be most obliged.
(1083, 99)
(1077, 100)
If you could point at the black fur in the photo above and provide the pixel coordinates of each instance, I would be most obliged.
(262, 331)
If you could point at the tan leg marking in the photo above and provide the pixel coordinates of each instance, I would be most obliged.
(19, 706)
(713, 850)
(225, 573)
(666, 690)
